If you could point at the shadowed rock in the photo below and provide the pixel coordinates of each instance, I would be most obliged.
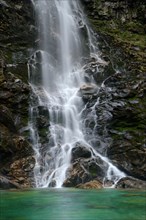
(6, 118)
(130, 182)
(80, 151)
(8, 184)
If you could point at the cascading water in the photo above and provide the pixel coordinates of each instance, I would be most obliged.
(56, 74)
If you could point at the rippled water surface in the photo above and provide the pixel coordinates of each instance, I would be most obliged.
(72, 204)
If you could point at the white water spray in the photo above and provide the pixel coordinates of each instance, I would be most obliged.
(56, 74)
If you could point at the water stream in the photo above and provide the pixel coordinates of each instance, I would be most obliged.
(56, 74)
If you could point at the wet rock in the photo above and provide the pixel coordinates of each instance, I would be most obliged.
(6, 118)
(130, 182)
(17, 34)
(14, 96)
(21, 171)
(120, 122)
(43, 119)
(8, 184)
(94, 184)
(15, 156)
(120, 113)
(3, 3)
(17, 37)
(88, 89)
(20, 70)
(76, 175)
(80, 151)
(93, 65)
(129, 158)
(11, 142)
(127, 127)
(6, 142)
(2, 77)
(85, 170)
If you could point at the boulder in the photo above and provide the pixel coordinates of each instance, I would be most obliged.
(85, 170)
(80, 151)
(94, 184)
(88, 89)
(130, 182)
(76, 175)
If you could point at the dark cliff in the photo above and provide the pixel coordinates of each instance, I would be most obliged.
(16, 42)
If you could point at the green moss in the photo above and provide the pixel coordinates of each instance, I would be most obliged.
(43, 132)
(93, 170)
(135, 27)
(121, 34)
(129, 36)
(24, 121)
(129, 128)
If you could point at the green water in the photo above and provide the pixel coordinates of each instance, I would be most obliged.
(73, 204)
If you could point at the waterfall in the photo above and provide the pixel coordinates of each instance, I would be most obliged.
(56, 75)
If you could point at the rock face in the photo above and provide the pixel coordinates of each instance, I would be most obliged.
(120, 110)
(16, 37)
(125, 103)
(123, 23)
(14, 145)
